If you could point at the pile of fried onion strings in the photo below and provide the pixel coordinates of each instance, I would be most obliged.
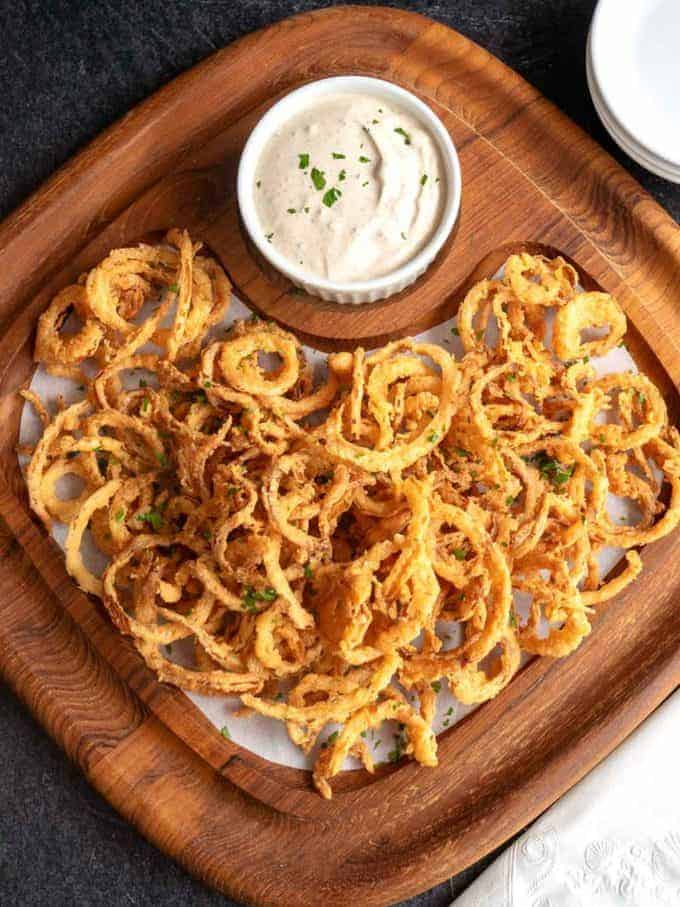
(307, 543)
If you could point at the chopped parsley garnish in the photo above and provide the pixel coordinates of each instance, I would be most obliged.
(309, 573)
(399, 747)
(510, 500)
(258, 183)
(455, 332)
(342, 176)
(225, 732)
(251, 596)
(641, 398)
(407, 137)
(462, 452)
(602, 439)
(162, 460)
(318, 178)
(433, 436)
(585, 359)
(145, 404)
(551, 469)
(142, 382)
(120, 516)
(331, 197)
(338, 157)
(511, 376)
(364, 160)
(303, 161)
(363, 185)
(423, 179)
(436, 686)
(291, 210)
(460, 554)
(479, 334)
(375, 121)
(268, 236)
(512, 620)
(403, 235)
(173, 288)
(153, 518)
(331, 739)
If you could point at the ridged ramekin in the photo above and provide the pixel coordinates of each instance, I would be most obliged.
(366, 290)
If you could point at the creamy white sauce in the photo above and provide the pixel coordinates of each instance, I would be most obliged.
(350, 188)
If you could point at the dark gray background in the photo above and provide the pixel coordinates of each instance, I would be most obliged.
(68, 68)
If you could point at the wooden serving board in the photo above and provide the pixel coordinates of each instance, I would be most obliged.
(531, 178)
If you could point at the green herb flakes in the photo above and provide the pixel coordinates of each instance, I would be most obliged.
(251, 596)
(318, 178)
(153, 517)
(551, 469)
(331, 197)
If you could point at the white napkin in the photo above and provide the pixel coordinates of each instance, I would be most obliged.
(613, 839)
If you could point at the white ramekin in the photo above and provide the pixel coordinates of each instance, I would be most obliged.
(365, 290)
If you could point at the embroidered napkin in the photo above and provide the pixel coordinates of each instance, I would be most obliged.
(613, 840)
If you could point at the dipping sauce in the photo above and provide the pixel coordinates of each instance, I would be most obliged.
(350, 188)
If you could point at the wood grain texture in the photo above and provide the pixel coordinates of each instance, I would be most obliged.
(531, 179)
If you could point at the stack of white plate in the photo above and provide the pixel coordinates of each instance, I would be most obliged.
(633, 67)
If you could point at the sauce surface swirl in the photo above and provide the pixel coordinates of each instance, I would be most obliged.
(350, 188)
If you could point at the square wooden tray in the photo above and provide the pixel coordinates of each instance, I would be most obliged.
(531, 179)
